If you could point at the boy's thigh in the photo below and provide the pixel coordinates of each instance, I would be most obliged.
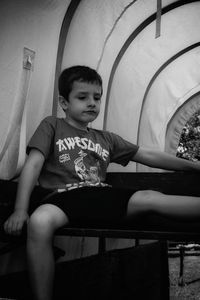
(93, 204)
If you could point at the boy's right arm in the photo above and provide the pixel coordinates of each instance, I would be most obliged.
(27, 181)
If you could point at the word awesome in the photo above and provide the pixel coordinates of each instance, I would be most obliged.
(83, 143)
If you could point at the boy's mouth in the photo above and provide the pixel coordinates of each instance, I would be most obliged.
(92, 112)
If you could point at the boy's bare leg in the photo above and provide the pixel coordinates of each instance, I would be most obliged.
(42, 225)
(173, 206)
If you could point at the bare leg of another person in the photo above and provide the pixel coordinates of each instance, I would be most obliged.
(41, 227)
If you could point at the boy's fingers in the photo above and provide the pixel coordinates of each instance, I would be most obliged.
(6, 226)
(14, 227)
(18, 228)
(10, 227)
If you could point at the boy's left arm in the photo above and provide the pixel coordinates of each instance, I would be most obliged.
(163, 160)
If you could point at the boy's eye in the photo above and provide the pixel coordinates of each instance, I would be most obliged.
(97, 98)
(82, 97)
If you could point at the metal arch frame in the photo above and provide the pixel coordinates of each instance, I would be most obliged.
(62, 41)
(174, 57)
(129, 40)
(61, 45)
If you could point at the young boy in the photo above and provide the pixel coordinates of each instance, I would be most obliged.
(70, 161)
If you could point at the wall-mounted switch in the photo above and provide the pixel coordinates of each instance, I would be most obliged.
(28, 59)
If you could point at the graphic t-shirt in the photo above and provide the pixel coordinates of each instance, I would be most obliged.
(75, 157)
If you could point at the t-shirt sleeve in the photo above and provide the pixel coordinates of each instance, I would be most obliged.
(121, 151)
(43, 136)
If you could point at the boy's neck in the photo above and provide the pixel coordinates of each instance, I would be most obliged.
(76, 125)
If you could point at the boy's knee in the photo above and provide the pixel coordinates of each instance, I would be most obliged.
(141, 197)
(144, 199)
(40, 225)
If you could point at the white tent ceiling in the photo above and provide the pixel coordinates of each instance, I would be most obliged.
(146, 79)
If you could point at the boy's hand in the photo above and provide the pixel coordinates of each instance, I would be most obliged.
(15, 222)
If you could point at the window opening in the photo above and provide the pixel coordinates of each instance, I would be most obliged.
(189, 143)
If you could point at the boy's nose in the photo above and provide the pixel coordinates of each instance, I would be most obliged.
(91, 101)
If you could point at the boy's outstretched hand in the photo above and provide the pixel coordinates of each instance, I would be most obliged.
(15, 222)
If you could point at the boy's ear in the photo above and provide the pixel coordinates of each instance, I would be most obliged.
(63, 102)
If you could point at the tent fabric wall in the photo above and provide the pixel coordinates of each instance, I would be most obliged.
(174, 86)
(116, 37)
(13, 152)
(121, 44)
(35, 25)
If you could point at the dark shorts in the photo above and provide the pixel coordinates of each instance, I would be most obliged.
(92, 205)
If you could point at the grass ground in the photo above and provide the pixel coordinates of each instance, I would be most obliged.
(190, 291)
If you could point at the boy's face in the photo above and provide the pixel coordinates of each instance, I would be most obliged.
(83, 104)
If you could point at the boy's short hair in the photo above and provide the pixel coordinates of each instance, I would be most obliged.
(77, 73)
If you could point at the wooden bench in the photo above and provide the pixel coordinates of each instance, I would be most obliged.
(154, 227)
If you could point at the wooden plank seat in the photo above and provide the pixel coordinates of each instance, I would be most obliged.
(152, 227)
